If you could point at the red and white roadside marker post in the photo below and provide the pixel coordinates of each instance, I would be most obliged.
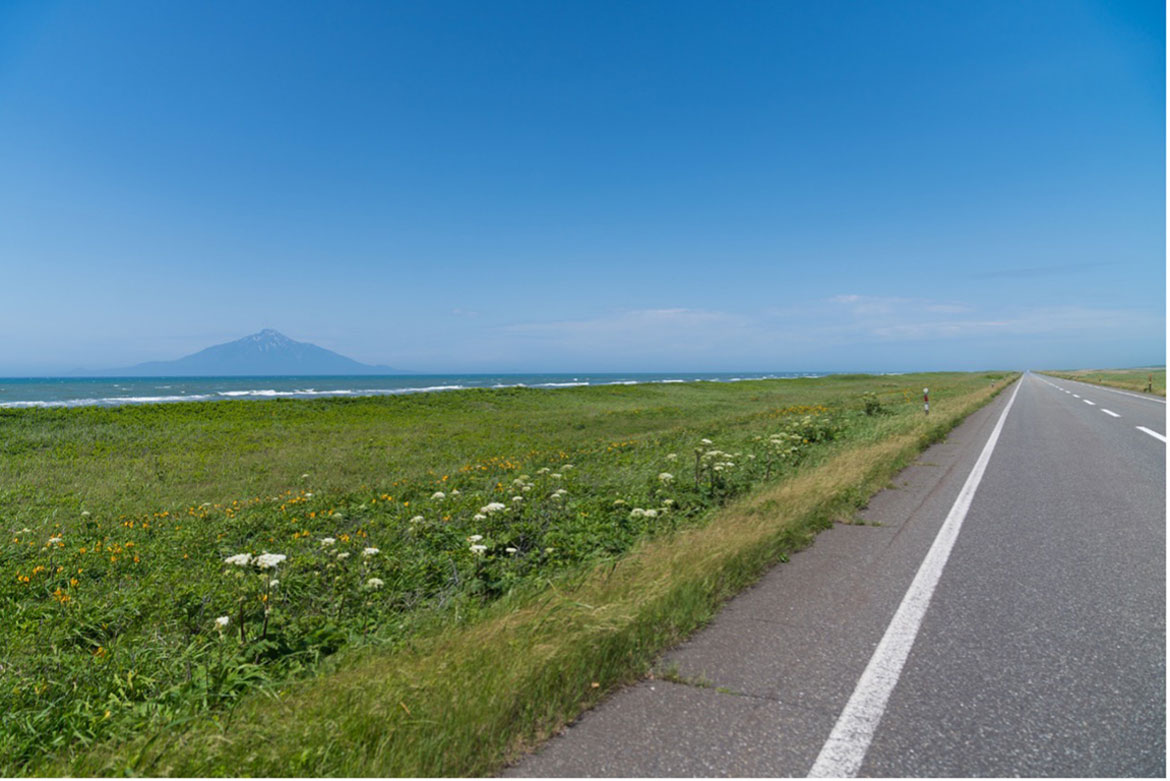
(926, 400)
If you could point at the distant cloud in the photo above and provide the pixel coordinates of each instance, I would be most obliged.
(842, 331)
(1039, 271)
(1039, 322)
(888, 305)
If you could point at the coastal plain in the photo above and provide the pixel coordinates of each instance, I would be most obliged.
(396, 534)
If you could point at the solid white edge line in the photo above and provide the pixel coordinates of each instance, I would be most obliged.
(1152, 433)
(845, 750)
(1110, 412)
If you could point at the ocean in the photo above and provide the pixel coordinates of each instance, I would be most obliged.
(28, 392)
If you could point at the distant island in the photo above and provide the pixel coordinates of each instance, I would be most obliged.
(265, 353)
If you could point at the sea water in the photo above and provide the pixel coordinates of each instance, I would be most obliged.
(25, 392)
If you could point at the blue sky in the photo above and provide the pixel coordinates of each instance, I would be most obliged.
(586, 186)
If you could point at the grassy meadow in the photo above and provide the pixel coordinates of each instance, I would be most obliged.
(410, 585)
(1127, 379)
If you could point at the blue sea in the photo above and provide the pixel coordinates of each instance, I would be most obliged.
(26, 392)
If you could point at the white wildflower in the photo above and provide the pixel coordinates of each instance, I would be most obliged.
(672, 456)
(510, 550)
(668, 502)
(438, 495)
(665, 477)
(651, 513)
(475, 538)
(705, 442)
(85, 513)
(455, 492)
(369, 552)
(478, 549)
(549, 550)
(479, 517)
(544, 470)
(619, 502)
(269, 560)
(517, 498)
(337, 517)
(309, 495)
(327, 541)
(375, 583)
(417, 519)
(305, 476)
(556, 475)
(492, 507)
(342, 556)
(637, 512)
(274, 583)
(53, 540)
(240, 559)
(223, 621)
(566, 467)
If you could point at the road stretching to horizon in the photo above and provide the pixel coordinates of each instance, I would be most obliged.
(1001, 613)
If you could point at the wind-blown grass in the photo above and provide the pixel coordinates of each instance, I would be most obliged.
(459, 654)
(1126, 379)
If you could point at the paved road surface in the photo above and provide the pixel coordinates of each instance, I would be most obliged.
(1041, 652)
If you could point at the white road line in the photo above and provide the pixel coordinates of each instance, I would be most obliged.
(1090, 403)
(1110, 412)
(844, 751)
(1075, 396)
(1143, 396)
(1153, 434)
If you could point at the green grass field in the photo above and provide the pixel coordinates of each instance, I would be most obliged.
(1126, 379)
(439, 551)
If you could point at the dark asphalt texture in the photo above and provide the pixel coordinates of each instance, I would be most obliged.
(1042, 652)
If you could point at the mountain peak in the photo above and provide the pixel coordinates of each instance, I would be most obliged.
(266, 352)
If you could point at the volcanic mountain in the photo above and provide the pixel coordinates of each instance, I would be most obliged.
(268, 352)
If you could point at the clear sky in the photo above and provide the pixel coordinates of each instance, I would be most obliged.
(586, 186)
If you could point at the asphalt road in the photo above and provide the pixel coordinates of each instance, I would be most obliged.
(1041, 651)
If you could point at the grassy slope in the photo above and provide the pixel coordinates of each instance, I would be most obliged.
(465, 699)
(1126, 379)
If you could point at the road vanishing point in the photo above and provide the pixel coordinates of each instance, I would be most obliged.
(1002, 612)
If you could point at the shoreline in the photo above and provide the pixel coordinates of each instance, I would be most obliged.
(309, 392)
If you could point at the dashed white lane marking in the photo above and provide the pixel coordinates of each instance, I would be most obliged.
(844, 751)
(1075, 396)
(1143, 396)
(1153, 434)
(1090, 403)
(1110, 412)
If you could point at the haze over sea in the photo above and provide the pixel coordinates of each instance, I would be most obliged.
(25, 392)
